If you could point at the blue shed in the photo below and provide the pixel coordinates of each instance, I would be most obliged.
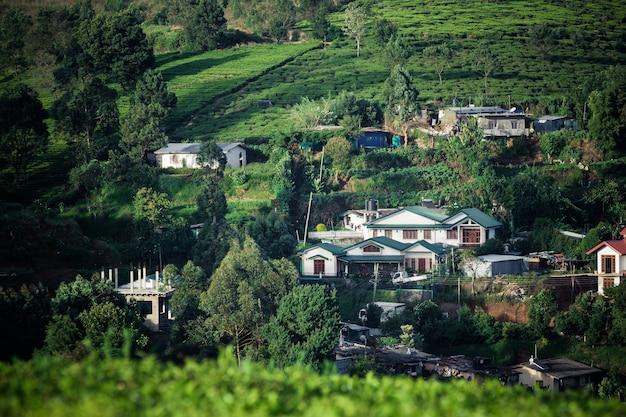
(372, 138)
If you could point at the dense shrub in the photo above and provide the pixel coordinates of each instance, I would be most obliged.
(51, 387)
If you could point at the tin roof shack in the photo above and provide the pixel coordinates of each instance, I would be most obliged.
(390, 309)
(397, 360)
(557, 374)
(461, 366)
(547, 124)
(495, 265)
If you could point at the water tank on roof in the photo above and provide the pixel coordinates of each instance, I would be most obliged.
(371, 205)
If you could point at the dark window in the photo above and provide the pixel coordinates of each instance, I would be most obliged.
(409, 234)
(427, 234)
(471, 236)
(608, 264)
(453, 234)
(371, 248)
(145, 307)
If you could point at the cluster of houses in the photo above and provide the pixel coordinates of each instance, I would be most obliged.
(419, 239)
(415, 239)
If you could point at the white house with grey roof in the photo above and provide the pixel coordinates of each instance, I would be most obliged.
(184, 155)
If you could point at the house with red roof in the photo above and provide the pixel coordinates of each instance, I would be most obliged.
(611, 262)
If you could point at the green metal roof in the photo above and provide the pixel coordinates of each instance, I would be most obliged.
(408, 226)
(436, 248)
(428, 213)
(481, 218)
(380, 241)
(371, 258)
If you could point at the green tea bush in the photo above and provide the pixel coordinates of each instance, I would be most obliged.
(51, 387)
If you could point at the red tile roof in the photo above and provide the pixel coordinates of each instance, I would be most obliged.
(617, 245)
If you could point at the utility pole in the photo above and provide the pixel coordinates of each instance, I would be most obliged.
(308, 213)
(375, 282)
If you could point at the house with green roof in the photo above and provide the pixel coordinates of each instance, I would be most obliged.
(379, 254)
(465, 229)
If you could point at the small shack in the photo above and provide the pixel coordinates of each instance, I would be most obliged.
(371, 138)
(547, 124)
(494, 265)
(556, 374)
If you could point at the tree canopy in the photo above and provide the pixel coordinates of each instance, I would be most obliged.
(305, 328)
(23, 133)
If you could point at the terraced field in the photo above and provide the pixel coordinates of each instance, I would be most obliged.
(218, 91)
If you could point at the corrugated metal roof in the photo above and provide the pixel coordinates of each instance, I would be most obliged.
(180, 148)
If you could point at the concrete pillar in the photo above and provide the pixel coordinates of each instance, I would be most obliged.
(156, 276)
(110, 274)
(131, 278)
(116, 279)
(102, 274)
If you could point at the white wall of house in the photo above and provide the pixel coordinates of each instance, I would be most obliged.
(408, 227)
(177, 160)
(395, 221)
(309, 258)
(236, 157)
(418, 258)
(603, 259)
(511, 126)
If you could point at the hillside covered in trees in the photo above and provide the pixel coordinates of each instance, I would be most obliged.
(89, 88)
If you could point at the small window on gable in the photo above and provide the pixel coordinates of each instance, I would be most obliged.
(371, 248)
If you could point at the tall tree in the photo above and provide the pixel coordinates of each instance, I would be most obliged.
(118, 45)
(23, 133)
(214, 239)
(305, 328)
(244, 291)
(339, 152)
(471, 262)
(151, 206)
(439, 57)
(588, 317)
(485, 61)
(272, 234)
(607, 103)
(383, 30)
(90, 117)
(397, 51)
(400, 96)
(15, 26)
(142, 127)
(320, 24)
(355, 20)
(543, 307)
(207, 25)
